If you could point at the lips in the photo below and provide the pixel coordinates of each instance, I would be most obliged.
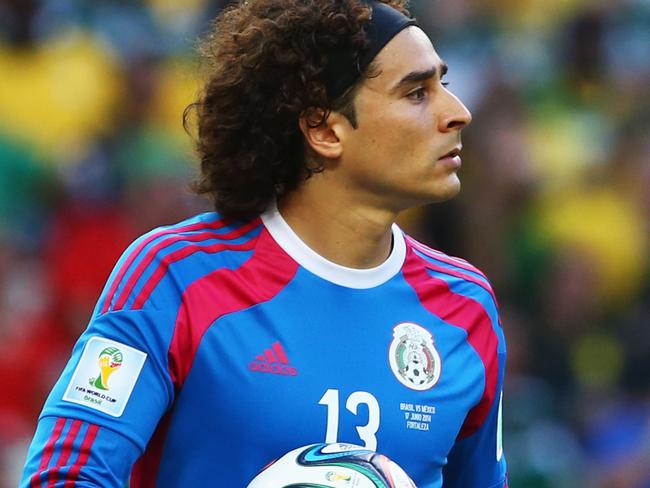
(451, 154)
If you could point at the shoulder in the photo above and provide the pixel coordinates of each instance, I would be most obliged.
(203, 229)
(457, 275)
(184, 251)
(444, 263)
(202, 236)
(459, 293)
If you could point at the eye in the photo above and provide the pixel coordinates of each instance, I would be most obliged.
(418, 94)
(444, 83)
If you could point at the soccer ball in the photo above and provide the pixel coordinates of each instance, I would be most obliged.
(337, 465)
(415, 369)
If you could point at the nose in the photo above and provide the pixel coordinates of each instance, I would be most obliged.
(456, 116)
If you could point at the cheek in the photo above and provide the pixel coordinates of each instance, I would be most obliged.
(419, 133)
(402, 137)
(407, 135)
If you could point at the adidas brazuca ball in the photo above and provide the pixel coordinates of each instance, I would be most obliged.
(337, 465)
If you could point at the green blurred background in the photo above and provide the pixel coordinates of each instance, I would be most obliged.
(555, 206)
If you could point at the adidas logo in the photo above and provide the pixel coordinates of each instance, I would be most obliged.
(274, 361)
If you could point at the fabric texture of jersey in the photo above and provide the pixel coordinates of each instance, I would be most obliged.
(218, 345)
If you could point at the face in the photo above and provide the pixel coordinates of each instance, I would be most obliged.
(404, 151)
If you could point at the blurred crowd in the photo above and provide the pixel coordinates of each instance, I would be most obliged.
(555, 206)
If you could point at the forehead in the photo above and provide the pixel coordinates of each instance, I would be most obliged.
(410, 50)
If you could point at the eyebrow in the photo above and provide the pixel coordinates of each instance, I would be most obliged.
(415, 76)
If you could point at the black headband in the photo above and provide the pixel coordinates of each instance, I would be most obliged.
(343, 68)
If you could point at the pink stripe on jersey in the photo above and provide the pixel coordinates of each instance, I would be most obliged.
(66, 451)
(171, 258)
(225, 291)
(460, 274)
(151, 254)
(461, 263)
(217, 224)
(84, 454)
(468, 314)
(35, 480)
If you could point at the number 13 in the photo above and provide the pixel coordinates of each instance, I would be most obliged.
(366, 432)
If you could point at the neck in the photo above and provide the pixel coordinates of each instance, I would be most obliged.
(339, 227)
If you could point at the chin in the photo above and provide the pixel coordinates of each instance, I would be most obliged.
(446, 192)
(433, 193)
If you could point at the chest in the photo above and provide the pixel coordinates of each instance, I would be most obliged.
(374, 369)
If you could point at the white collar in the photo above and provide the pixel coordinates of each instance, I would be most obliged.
(289, 241)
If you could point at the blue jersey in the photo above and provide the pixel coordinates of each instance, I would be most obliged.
(219, 345)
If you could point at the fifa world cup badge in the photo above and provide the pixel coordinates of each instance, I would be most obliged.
(105, 376)
(109, 361)
(413, 357)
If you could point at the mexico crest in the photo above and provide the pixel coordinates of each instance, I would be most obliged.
(413, 358)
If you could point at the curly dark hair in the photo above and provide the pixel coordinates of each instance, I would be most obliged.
(267, 60)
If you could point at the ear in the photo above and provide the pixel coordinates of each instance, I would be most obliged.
(324, 138)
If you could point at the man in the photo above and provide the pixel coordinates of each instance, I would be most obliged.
(299, 313)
